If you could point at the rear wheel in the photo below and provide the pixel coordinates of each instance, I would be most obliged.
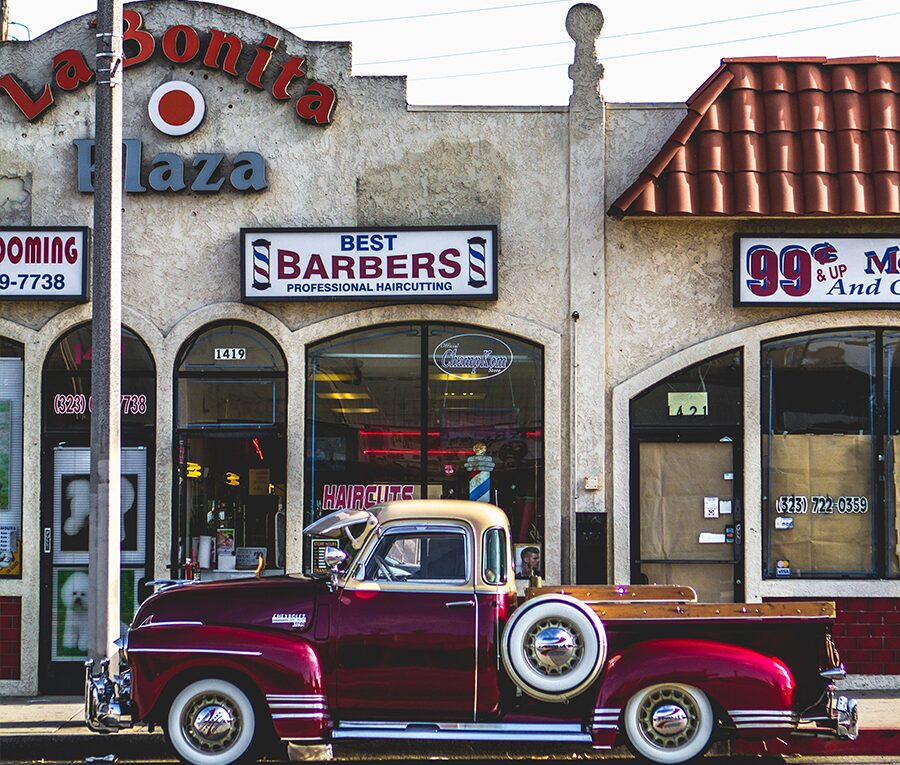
(211, 722)
(669, 723)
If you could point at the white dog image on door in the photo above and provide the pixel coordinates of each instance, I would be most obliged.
(74, 597)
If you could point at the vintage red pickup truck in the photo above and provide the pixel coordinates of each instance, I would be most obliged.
(418, 634)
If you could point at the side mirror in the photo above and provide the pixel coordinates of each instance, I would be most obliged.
(335, 558)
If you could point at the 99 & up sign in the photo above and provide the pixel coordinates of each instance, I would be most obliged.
(851, 271)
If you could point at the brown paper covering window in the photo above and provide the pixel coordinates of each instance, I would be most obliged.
(675, 478)
(822, 465)
(893, 545)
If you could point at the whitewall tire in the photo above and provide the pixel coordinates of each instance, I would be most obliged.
(211, 722)
(669, 723)
(553, 647)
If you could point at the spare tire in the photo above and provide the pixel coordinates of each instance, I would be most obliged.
(553, 647)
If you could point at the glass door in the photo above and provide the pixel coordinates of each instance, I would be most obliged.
(689, 521)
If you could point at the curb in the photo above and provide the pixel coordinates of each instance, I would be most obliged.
(77, 746)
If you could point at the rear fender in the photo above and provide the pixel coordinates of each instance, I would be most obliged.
(282, 670)
(751, 691)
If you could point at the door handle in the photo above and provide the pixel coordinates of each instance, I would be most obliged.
(460, 604)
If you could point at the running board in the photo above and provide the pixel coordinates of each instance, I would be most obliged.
(559, 732)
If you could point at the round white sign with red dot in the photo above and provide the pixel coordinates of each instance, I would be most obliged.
(176, 108)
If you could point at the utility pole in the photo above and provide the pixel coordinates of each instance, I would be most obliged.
(106, 312)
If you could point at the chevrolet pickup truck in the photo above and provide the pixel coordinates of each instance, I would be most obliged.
(418, 633)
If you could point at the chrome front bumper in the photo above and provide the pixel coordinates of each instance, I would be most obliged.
(843, 715)
(107, 700)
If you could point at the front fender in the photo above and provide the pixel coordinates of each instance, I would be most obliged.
(754, 690)
(283, 669)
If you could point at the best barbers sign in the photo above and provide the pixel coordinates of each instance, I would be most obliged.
(369, 264)
(861, 271)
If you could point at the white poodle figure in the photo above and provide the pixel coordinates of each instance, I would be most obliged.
(74, 595)
(78, 495)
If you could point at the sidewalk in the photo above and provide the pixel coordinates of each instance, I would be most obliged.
(52, 728)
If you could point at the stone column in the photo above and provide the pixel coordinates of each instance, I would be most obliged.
(587, 303)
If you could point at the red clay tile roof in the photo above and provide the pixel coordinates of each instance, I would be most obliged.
(781, 137)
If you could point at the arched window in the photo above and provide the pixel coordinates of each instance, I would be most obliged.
(231, 455)
(65, 493)
(427, 410)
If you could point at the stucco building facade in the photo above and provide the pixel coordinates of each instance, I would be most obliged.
(521, 346)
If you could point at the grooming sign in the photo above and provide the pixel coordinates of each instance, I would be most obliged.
(861, 271)
(369, 264)
(44, 263)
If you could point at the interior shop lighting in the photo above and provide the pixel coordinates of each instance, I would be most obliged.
(355, 409)
(417, 451)
(397, 433)
(232, 479)
(469, 395)
(194, 470)
(333, 377)
(450, 378)
(259, 452)
(343, 396)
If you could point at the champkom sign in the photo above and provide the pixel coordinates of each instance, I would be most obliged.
(862, 271)
(369, 264)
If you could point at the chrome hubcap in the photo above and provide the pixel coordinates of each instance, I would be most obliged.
(554, 647)
(211, 723)
(668, 718)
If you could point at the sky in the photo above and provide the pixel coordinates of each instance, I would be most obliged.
(517, 53)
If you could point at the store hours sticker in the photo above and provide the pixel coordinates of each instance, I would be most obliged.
(43, 263)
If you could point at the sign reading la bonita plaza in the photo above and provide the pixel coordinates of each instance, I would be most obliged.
(182, 44)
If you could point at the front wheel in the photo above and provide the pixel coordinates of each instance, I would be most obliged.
(669, 723)
(211, 722)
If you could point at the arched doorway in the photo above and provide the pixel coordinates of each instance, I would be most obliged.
(686, 478)
(230, 453)
(65, 484)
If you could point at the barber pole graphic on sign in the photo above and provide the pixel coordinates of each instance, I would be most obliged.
(477, 261)
(262, 278)
(407, 264)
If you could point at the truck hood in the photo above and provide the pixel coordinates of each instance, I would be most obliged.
(282, 603)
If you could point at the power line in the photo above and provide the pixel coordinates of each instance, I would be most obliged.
(607, 37)
(427, 15)
(663, 50)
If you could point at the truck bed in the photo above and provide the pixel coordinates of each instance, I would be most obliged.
(651, 602)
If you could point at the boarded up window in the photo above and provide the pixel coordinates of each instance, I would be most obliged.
(821, 508)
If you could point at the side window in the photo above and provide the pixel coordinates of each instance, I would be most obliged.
(420, 556)
(494, 557)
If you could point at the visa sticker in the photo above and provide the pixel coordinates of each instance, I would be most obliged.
(784, 523)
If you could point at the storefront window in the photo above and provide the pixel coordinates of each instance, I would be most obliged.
(472, 397)
(231, 453)
(892, 446)
(821, 448)
(66, 405)
(11, 382)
